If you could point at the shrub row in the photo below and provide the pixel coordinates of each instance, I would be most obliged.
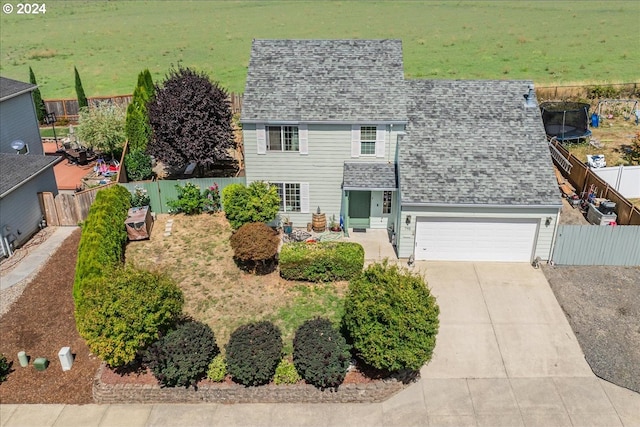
(103, 237)
(321, 262)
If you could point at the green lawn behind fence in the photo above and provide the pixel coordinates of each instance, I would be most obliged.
(551, 42)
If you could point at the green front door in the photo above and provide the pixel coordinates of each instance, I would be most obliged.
(359, 208)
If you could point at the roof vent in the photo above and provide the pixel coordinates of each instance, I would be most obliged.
(529, 98)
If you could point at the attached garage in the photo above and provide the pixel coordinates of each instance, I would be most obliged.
(475, 239)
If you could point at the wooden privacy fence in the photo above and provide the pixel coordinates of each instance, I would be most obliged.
(597, 245)
(582, 178)
(68, 209)
(161, 191)
(67, 109)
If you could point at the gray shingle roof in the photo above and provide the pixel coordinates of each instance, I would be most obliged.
(321, 80)
(369, 176)
(17, 168)
(10, 88)
(474, 142)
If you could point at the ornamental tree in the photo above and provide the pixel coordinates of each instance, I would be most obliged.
(41, 109)
(82, 98)
(102, 127)
(190, 120)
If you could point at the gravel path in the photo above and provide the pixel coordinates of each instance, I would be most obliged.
(602, 305)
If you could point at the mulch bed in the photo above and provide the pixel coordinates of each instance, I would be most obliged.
(41, 322)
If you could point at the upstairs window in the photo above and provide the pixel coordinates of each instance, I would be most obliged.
(283, 138)
(368, 140)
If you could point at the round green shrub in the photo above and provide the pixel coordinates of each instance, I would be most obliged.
(181, 357)
(258, 202)
(5, 368)
(125, 311)
(286, 373)
(320, 354)
(253, 353)
(190, 200)
(391, 318)
(217, 370)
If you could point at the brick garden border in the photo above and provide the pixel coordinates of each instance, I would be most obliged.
(376, 391)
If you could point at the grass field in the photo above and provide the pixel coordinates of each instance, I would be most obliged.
(551, 42)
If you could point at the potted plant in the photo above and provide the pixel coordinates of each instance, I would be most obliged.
(287, 225)
(334, 226)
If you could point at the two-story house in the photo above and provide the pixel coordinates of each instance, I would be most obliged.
(454, 170)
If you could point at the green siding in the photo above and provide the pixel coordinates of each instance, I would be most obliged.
(329, 148)
(597, 245)
(544, 240)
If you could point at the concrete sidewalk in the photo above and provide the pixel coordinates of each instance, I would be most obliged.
(505, 356)
(36, 258)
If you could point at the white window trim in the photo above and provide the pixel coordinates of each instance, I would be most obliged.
(303, 138)
(375, 142)
(304, 196)
(282, 143)
(261, 138)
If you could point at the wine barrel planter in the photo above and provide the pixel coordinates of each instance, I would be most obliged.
(319, 222)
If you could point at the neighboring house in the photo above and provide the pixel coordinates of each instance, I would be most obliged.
(22, 176)
(18, 119)
(455, 170)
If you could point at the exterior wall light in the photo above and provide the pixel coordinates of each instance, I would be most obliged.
(408, 220)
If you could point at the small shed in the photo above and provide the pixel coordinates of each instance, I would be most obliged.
(139, 223)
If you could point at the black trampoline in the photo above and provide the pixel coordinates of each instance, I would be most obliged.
(566, 121)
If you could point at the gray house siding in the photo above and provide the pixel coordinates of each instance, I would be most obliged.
(329, 146)
(18, 120)
(20, 210)
(545, 236)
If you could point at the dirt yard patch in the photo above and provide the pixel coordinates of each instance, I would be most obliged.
(41, 322)
(602, 305)
(197, 255)
(615, 134)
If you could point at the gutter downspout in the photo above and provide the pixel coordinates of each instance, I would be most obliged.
(555, 236)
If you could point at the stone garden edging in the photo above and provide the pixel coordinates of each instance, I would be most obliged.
(376, 391)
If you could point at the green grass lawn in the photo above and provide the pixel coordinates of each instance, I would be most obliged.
(110, 42)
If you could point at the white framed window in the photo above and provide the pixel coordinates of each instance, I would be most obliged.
(289, 196)
(386, 202)
(368, 140)
(283, 138)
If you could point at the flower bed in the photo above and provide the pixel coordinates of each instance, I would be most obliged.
(144, 389)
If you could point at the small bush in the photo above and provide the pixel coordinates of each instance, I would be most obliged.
(286, 373)
(138, 165)
(190, 200)
(253, 353)
(181, 358)
(391, 318)
(125, 311)
(217, 370)
(5, 368)
(320, 354)
(259, 202)
(212, 199)
(321, 262)
(255, 246)
(140, 198)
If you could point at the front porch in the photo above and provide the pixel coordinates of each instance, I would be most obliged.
(376, 243)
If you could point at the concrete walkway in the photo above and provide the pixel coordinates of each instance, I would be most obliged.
(505, 356)
(36, 258)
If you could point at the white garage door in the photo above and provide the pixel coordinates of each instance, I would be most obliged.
(475, 239)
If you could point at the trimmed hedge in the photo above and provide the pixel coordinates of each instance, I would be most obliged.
(320, 354)
(255, 246)
(391, 318)
(253, 353)
(103, 237)
(181, 358)
(321, 262)
(123, 313)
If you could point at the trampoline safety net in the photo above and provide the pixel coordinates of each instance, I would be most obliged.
(566, 120)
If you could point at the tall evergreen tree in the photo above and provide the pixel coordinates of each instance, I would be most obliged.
(137, 162)
(82, 99)
(41, 109)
